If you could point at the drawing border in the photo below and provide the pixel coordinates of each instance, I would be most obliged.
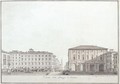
(118, 37)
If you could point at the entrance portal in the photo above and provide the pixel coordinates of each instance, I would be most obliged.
(101, 67)
(92, 67)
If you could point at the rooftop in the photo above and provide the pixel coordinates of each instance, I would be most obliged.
(31, 51)
(87, 47)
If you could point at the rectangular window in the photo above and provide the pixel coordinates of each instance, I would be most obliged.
(88, 57)
(22, 59)
(73, 58)
(92, 56)
(83, 57)
(4, 56)
(78, 56)
(4, 61)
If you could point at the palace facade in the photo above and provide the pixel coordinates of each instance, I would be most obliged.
(30, 60)
(89, 58)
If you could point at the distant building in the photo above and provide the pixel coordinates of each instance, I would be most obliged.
(81, 58)
(111, 61)
(30, 60)
(5, 60)
(57, 65)
(66, 67)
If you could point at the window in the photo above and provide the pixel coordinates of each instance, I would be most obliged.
(46, 58)
(101, 58)
(42, 58)
(78, 56)
(73, 58)
(83, 57)
(49, 58)
(46, 55)
(39, 58)
(4, 56)
(87, 57)
(22, 59)
(92, 56)
(4, 61)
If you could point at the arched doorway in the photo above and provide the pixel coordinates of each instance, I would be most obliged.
(92, 67)
(73, 67)
(101, 67)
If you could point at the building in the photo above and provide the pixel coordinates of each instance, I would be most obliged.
(111, 61)
(31, 60)
(66, 67)
(85, 58)
(5, 60)
(57, 65)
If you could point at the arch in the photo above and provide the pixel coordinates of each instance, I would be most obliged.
(101, 67)
(73, 67)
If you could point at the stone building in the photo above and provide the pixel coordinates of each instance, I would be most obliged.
(31, 60)
(110, 60)
(85, 58)
(5, 60)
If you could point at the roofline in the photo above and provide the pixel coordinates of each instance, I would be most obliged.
(88, 49)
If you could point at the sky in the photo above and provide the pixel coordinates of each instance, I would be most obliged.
(57, 26)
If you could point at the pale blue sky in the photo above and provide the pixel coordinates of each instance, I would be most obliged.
(57, 26)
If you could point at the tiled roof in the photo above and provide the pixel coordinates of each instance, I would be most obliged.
(87, 47)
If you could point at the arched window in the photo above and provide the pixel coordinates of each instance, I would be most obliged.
(74, 58)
